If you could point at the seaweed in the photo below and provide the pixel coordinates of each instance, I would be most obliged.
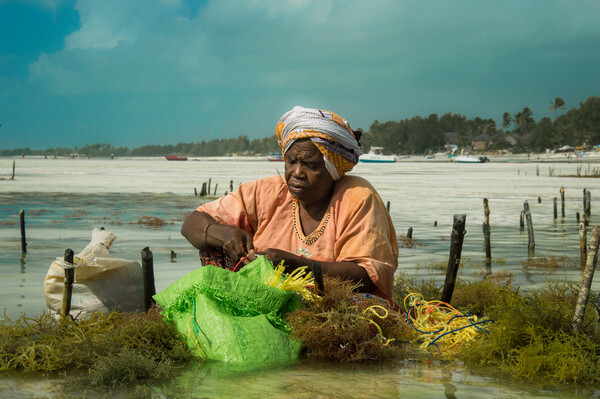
(114, 348)
(349, 327)
(150, 221)
(551, 263)
(532, 337)
(408, 242)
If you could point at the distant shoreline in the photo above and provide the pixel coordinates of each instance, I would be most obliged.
(517, 158)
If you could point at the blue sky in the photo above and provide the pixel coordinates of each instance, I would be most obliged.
(136, 72)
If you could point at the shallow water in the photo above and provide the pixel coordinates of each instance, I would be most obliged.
(64, 199)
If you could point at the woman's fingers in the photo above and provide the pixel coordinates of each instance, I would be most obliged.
(238, 244)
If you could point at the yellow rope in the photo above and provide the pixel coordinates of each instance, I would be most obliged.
(440, 324)
(382, 339)
(298, 280)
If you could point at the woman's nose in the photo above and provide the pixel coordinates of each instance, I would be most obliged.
(298, 170)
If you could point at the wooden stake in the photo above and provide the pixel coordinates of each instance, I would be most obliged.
(230, 186)
(409, 232)
(456, 243)
(195, 192)
(582, 240)
(555, 209)
(208, 187)
(486, 212)
(387, 206)
(203, 190)
(23, 239)
(586, 281)
(539, 200)
(13, 173)
(562, 202)
(148, 275)
(486, 237)
(216, 185)
(529, 228)
(318, 275)
(69, 279)
(588, 204)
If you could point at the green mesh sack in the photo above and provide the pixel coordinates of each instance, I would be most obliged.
(232, 317)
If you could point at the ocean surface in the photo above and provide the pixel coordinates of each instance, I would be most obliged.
(64, 199)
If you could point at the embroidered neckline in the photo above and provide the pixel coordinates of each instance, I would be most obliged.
(306, 240)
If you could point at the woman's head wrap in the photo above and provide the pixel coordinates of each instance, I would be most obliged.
(330, 133)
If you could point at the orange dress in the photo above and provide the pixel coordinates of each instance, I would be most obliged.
(359, 228)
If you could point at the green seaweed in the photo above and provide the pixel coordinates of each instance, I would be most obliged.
(112, 347)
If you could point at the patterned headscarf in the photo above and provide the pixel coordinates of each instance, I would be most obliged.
(330, 133)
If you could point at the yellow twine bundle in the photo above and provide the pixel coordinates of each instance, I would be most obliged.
(298, 281)
(440, 324)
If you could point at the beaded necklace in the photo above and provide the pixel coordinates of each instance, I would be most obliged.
(315, 238)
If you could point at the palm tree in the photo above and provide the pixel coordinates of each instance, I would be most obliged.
(506, 120)
(558, 103)
(524, 120)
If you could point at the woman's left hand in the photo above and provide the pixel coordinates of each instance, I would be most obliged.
(290, 261)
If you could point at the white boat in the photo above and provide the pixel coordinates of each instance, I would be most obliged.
(469, 159)
(375, 156)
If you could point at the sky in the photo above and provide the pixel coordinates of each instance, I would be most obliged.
(137, 72)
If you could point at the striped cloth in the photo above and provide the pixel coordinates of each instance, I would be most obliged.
(330, 133)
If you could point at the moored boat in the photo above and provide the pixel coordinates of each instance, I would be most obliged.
(470, 159)
(175, 158)
(375, 156)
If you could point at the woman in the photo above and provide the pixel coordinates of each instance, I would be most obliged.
(314, 212)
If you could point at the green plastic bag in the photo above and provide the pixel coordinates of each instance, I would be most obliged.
(232, 317)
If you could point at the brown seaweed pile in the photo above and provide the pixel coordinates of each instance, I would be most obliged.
(347, 327)
(114, 348)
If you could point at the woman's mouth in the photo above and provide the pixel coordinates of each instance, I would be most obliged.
(297, 188)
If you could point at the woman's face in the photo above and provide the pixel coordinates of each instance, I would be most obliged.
(307, 178)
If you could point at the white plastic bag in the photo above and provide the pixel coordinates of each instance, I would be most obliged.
(101, 283)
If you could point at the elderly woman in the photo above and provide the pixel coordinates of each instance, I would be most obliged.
(316, 211)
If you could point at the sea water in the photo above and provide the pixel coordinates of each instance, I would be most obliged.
(64, 199)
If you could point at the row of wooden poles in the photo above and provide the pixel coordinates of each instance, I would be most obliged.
(205, 190)
(582, 219)
(589, 255)
(456, 242)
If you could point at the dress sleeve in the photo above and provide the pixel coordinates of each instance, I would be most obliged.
(235, 209)
(366, 235)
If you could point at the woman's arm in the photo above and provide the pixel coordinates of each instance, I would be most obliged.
(347, 270)
(203, 232)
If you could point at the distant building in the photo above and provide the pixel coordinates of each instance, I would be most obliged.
(480, 143)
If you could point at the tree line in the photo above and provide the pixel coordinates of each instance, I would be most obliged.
(519, 133)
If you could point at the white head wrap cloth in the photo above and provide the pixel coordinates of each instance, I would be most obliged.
(326, 129)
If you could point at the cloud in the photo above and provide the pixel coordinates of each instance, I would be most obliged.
(229, 64)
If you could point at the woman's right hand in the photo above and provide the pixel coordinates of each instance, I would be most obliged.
(204, 232)
(237, 243)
